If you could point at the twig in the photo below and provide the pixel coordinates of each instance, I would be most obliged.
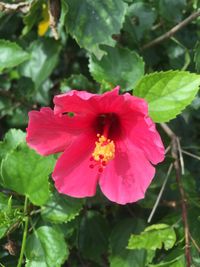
(181, 157)
(195, 243)
(190, 154)
(24, 234)
(171, 32)
(175, 155)
(160, 194)
(167, 149)
(24, 7)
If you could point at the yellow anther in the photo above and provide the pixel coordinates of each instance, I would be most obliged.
(104, 149)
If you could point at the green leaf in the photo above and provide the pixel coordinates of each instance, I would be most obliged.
(11, 54)
(197, 57)
(19, 117)
(167, 93)
(174, 257)
(46, 247)
(11, 140)
(120, 256)
(9, 216)
(61, 23)
(6, 106)
(26, 172)
(44, 57)
(76, 81)
(119, 66)
(43, 95)
(154, 237)
(172, 10)
(33, 16)
(93, 236)
(60, 208)
(176, 263)
(139, 18)
(92, 23)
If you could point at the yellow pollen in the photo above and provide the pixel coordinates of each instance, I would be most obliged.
(104, 150)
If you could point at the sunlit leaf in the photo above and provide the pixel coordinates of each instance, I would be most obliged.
(167, 93)
(25, 172)
(11, 54)
(46, 247)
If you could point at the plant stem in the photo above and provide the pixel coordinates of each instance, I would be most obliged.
(171, 32)
(177, 166)
(24, 234)
(160, 193)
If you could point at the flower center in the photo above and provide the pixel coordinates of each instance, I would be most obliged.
(104, 151)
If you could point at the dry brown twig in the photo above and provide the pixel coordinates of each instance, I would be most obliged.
(177, 166)
(54, 9)
(23, 7)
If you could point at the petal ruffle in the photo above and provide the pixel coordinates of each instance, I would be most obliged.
(126, 178)
(48, 133)
(72, 174)
(82, 101)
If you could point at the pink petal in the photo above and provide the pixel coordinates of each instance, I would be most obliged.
(72, 174)
(140, 129)
(48, 133)
(74, 101)
(81, 101)
(126, 178)
(136, 104)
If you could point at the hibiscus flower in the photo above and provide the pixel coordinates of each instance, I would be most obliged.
(110, 140)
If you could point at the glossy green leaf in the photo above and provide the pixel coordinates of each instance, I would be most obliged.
(25, 172)
(60, 208)
(44, 57)
(46, 247)
(167, 93)
(154, 237)
(90, 22)
(120, 256)
(93, 236)
(119, 66)
(11, 54)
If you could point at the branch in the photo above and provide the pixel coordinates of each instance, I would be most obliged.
(171, 32)
(54, 9)
(160, 193)
(24, 7)
(177, 167)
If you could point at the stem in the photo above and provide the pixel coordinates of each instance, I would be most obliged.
(160, 194)
(24, 234)
(177, 167)
(195, 243)
(190, 154)
(171, 32)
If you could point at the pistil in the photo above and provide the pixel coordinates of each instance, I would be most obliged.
(104, 148)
